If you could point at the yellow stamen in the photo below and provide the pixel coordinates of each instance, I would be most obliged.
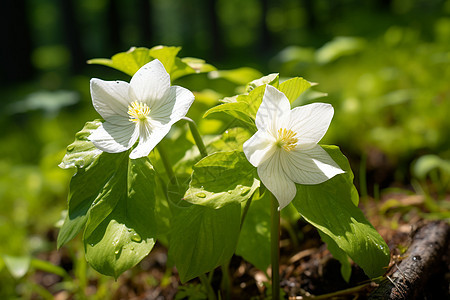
(138, 111)
(286, 139)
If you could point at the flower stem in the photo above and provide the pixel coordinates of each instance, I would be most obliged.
(197, 137)
(166, 163)
(275, 246)
(225, 283)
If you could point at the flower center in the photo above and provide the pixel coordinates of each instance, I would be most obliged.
(286, 139)
(138, 111)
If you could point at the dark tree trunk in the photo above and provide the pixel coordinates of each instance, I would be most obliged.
(216, 44)
(113, 27)
(266, 41)
(16, 47)
(72, 35)
(426, 262)
(145, 25)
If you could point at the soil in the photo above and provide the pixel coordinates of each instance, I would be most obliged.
(308, 271)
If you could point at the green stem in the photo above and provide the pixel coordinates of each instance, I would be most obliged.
(275, 246)
(166, 163)
(225, 283)
(209, 290)
(197, 137)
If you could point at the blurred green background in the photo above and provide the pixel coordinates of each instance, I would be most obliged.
(385, 65)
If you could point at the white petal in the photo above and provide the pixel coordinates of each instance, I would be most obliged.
(275, 179)
(259, 147)
(110, 98)
(173, 106)
(311, 166)
(150, 83)
(310, 122)
(148, 139)
(274, 111)
(114, 138)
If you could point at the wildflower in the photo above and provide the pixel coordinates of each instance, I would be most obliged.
(144, 110)
(284, 149)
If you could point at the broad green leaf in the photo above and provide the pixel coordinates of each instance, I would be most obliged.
(121, 228)
(17, 265)
(131, 61)
(222, 178)
(203, 238)
(238, 110)
(231, 139)
(92, 185)
(81, 153)
(339, 254)
(189, 65)
(128, 62)
(294, 87)
(254, 239)
(240, 76)
(331, 207)
(244, 108)
(272, 79)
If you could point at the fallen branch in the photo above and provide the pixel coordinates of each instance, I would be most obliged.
(424, 258)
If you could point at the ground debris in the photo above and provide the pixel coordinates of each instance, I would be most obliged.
(422, 272)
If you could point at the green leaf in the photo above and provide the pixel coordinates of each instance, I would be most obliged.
(113, 197)
(131, 61)
(427, 163)
(18, 266)
(331, 207)
(222, 178)
(203, 238)
(190, 65)
(231, 139)
(272, 79)
(128, 62)
(244, 108)
(81, 153)
(294, 87)
(339, 254)
(338, 47)
(89, 186)
(48, 267)
(254, 239)
(121, 228)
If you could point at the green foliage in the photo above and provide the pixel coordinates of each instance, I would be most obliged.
(132, 60)
(222, 178)
(112, 198)
(338, 47)
(331, 208)
(17, 265)
(245, 106)
(254, 239)
(429, 163)
(339, 254)
(203, 238)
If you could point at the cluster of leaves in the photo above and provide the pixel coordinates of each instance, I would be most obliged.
(123, 206)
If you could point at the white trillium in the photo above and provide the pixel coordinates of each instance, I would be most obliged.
(143, 109)
(285, 149)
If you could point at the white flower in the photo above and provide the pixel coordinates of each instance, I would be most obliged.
(285, 149)
(143, 109)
